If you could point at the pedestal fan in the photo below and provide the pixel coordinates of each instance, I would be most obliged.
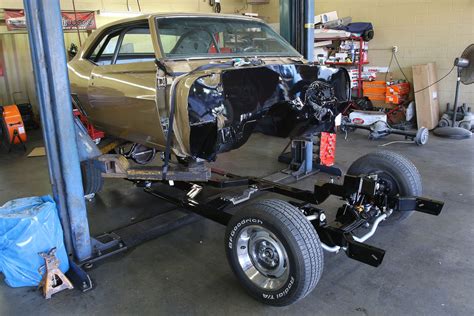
(465, 71)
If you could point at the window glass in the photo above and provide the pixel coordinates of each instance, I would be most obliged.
(184, 37)
(97, 48)
(110, 48)
(168, 42)
(137, 46)
(104, 57)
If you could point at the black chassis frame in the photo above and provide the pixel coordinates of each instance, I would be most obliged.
(217, 207)
(338, 236)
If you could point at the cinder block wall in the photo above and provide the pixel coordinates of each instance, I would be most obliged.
(424, 30)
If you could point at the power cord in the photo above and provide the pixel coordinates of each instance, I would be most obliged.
(394, 55)
(396, 142)
(388, 68)
(398, 64)
(437, 80)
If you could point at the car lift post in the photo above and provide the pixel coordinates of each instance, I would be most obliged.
(309, 30)
(297, 25)
(52, 87)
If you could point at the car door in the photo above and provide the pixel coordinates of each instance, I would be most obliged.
(122, 86)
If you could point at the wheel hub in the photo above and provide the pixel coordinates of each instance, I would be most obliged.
(262, 257)
(266, 255)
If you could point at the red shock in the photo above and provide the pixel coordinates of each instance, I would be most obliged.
(327, 149)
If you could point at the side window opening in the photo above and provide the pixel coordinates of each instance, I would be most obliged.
(103, 53)
(136, 46)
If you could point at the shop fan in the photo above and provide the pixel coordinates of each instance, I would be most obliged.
(465, 71)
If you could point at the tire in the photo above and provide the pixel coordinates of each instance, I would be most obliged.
(259, 236)
(92, 180)
(444, 123)
(466, 125)
(422, 136)
(399, 173)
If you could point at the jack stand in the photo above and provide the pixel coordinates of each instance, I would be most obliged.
(54, 280)
(16, 135)
(308, 157)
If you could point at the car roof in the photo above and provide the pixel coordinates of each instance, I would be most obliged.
(190, 15)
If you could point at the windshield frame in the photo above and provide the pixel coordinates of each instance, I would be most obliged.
(294, 54)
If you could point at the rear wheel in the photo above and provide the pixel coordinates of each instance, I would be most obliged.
(92, 180)
(398, 175)
(274, 251)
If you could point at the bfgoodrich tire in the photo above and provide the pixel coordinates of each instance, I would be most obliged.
(399, 174)
(274, 251)
(92, 180)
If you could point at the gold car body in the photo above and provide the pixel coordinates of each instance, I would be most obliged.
(129, 101)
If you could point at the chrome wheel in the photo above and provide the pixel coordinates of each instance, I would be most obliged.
(262, 257)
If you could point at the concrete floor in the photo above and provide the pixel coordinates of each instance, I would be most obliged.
(428, 268)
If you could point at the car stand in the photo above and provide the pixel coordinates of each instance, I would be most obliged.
(310, 155)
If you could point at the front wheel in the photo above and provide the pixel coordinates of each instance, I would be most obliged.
(398, 175)
(274, 251)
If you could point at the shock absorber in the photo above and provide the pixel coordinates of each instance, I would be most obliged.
(327, 149)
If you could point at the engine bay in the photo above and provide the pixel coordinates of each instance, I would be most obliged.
(278, 100)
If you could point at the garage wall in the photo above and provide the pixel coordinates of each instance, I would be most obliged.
(14, 48)
(424, 31)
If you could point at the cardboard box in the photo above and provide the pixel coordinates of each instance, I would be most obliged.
(427, 103)
(374, 90)
(381, 91)
(321, 34)
(320, 55)
(399, 88)
(341, 56)
(326, 17)
(375, 97)
(322, 43)
(375, 69)
(367, 117)
(395, 99)
(375, 84)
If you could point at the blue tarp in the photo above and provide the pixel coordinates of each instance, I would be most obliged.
(29, 226)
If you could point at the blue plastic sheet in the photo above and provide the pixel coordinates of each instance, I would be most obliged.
(29, 226)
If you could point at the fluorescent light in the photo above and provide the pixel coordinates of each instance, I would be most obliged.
(119, 13)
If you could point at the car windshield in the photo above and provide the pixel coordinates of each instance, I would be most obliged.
(190, 37)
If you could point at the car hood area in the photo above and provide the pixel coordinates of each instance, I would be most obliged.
(219, 105)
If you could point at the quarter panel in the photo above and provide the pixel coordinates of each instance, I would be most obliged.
(79, 72)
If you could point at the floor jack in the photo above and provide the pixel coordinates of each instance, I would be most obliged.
(16, 140)
(310, 155)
